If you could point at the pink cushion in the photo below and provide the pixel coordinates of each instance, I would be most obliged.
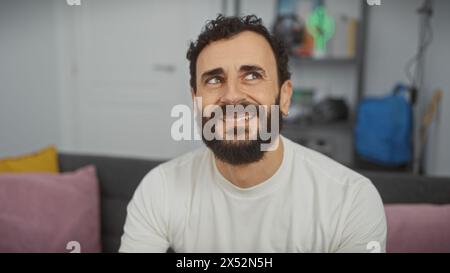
(418, 228)
(42, 212)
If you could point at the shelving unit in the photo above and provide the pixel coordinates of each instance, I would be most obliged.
(330, 139)
(335, 139)
(328, 61)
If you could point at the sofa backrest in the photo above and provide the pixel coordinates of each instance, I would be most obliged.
(403, 188)
(119, 177)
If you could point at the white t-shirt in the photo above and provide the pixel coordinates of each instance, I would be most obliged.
(311, 204)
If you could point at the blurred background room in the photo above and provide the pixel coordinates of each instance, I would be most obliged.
(98, 79)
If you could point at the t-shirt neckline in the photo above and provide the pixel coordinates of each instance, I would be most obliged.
(262, 189)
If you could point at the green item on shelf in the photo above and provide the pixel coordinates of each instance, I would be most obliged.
(322, 27)
(302, 96)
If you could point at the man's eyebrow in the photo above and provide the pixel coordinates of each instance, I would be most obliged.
(212, 72)
(252, 68)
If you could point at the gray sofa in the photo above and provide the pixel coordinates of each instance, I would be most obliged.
(119, 177)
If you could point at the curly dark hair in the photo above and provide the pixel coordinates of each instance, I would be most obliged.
(226, 27)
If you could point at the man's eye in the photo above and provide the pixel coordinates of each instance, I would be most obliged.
(252, 76)
(213, 80)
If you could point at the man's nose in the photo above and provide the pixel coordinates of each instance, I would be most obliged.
(232, 94)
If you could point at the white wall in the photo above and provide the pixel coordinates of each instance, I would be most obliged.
(438, 76)
(392, 41)
(29, 107)
(86, 78)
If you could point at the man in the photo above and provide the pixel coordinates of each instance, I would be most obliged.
(233, 196)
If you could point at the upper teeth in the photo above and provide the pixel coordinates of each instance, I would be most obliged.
(240, 117)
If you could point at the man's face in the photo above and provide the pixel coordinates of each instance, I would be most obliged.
(241, 70)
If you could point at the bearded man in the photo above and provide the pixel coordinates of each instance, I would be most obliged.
(245, 192)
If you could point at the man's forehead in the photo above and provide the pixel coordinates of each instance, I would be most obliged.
(243, 49)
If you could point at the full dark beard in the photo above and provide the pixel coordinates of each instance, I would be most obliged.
(240, 152)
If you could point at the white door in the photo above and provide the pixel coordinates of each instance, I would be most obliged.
(126, 69)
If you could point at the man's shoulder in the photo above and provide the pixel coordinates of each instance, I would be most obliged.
(186, 160)
(335, 183)
(325, 167)
(182, 166)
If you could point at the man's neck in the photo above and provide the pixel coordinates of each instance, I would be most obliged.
(247, 176)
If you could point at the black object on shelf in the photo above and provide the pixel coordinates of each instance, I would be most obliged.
(322, 61)
(289, 29)
(330, 110)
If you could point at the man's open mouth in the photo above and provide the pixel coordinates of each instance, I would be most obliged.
(239, 117)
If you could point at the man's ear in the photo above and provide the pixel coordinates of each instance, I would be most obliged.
(196, 101)
(285, 97)
(193, 93)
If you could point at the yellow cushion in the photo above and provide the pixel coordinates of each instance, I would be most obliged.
(45, 160)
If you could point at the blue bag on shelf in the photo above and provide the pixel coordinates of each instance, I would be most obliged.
(384, 127)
